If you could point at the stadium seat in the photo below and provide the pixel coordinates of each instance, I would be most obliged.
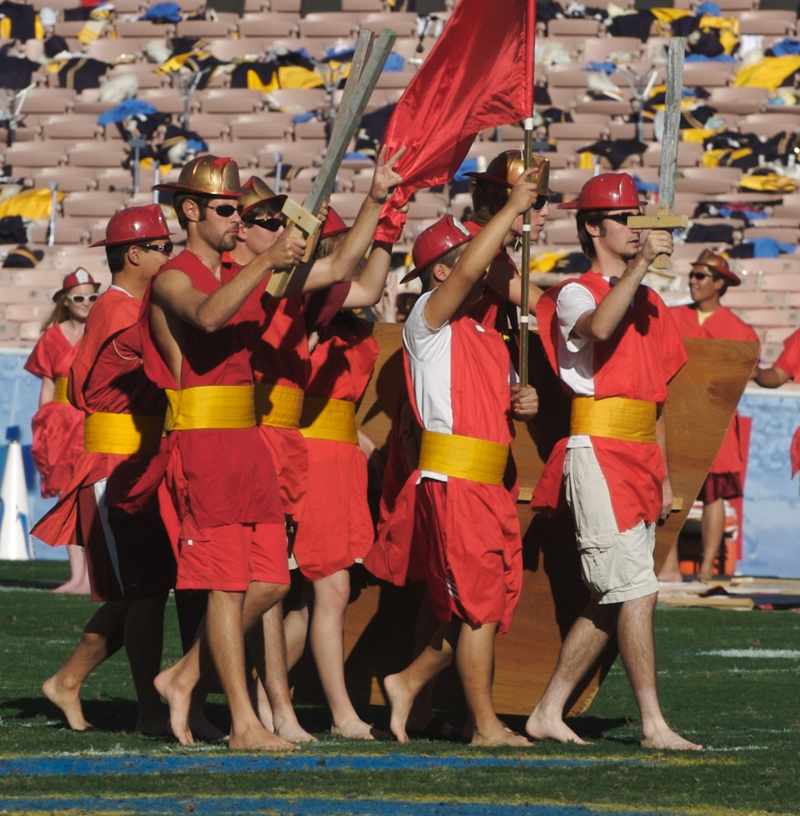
(767, 21)
(231, 100)
(738, 100)
(268, 26)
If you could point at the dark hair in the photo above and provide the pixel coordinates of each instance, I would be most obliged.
(594, 218)
(326, 246)
(724, 283)
(178, 202)
(115, 255)
(487, 200)
(450, 259)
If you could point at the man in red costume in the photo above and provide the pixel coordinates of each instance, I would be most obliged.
(707, 317)
(111, 505)
(221, 480)
(614, 345)
(459, 378)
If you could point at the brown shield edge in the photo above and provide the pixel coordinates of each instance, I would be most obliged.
(379, 635)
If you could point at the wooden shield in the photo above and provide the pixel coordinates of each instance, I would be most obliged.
(379, 637)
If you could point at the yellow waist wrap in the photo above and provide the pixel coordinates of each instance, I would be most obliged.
(614, 418)
(463, 457)
(60, 394)
(329, 419)
(210, 406)
(122, 433)
(278, 405)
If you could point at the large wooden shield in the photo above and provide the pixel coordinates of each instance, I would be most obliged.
(379, 637)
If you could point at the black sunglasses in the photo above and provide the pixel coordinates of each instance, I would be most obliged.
(269, 224)
(81, 298)
(165, 248)
(700, 275)
(540, 202)
(226, 210)
(621, 218)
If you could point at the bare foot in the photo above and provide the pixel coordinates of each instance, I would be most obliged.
(260, 701)
(72, 588)
(201, 728)
(705, 577)
(358, 729)
(401, 700)
(68, 701)
(295, 733)
(670, 577)
(258, 738)
(540, 727)
(500, 735)
(179, 700)
(665, 739)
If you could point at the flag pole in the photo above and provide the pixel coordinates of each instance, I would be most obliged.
(524, 336)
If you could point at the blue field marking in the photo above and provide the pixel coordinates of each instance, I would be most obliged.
(275, 806)
(245, 763)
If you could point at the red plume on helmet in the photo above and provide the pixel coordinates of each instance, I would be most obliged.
(608, 191)
(135, 224)
(435, 242)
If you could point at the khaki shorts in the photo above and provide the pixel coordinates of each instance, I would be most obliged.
(617, 566)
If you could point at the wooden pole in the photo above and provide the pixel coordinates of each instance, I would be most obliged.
(524, 316)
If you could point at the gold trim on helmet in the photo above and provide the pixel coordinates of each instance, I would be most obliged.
(256, 191)
(207, 175)
(506, 168)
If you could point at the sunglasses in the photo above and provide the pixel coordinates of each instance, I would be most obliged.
(81, 298)
(620, 218)
(699, 275)
(269, 224)
(540, 202)
(226, 210)
(165, 248)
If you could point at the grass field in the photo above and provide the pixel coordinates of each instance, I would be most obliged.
(727, 679)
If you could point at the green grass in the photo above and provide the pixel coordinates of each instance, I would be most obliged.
(745, 711)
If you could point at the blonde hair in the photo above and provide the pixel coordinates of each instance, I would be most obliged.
(59, 314)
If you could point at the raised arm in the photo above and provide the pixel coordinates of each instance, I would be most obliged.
(368, 288)
(502, 279)
(601, 323)
(344, 261)
(772, 377)
(173, 291)
(449, 296)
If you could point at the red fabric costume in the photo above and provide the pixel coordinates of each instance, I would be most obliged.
(721, 325)
(107, 377)
(641, 357)
(57, 427)
(789, 361)
(218, 479)
(474, 550)
(336, 527)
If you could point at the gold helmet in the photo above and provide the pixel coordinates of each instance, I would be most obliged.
(209, 176)
(718, 264)
(506, 168)
(256, 192)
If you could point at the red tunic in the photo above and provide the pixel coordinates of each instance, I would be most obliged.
(471, 523)
(641, 357)
(336, 526)
(107, 377)
(789, 361)
(721, 325)
(216, 476)
(57, 427)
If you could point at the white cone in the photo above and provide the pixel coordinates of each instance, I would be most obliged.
(14, 542)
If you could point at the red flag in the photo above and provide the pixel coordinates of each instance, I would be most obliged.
(479, 75)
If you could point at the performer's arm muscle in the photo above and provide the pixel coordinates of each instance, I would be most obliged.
(772, 377)
(368, 288)
(48, 391)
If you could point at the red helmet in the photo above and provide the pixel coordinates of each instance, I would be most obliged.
(435, 242)
(135, 224)
(76, 278)
(608, 191)
(333, 225)
(716, 263)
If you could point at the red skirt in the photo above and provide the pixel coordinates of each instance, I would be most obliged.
(57, 443)
(721, 486)
(289, 454)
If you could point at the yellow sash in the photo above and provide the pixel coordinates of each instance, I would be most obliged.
(463, 457)
(329, 419)
(278, 405)
(122, 433)
(614, 418)
(210, 406)
(60, 394)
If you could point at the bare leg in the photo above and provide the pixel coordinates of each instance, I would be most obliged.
(144, 637)
(101, 638)
(712, 528)
(583, 645)
(295, 627)
(78, 583)
(671, 568)
(475, 663)
(263, 624)
(331, 595)
(637, 649)
(225, 640)
(402, 688)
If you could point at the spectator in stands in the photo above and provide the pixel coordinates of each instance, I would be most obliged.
(706, 317)
(57, 426)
